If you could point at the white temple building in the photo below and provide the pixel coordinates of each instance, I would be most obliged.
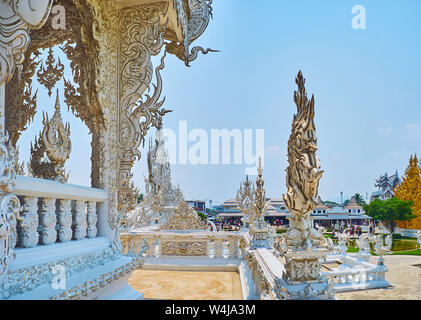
(385, 184)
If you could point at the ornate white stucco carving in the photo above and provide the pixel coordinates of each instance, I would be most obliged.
(92, 219)
(48, 219)
(16, 19)
(79, 220)
(65, 220)
(302, 246)
(245, 199)
(303, 172)
(184, 248)
(259, 229)
(184, 219)
(30, 236)
(161, 199)
(119, 75)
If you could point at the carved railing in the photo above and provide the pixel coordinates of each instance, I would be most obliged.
(356, 274)
(200, 244)
(265, 269)
(357, 279)
(55, 212)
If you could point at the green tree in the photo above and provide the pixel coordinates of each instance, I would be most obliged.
(333, 203)
(359, 198)
(346, 202)
(202, 215)
(387, 211)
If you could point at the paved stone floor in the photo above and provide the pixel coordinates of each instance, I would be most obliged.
(403, 275)
(187, 285)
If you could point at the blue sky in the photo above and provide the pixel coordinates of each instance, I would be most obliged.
(366, 85)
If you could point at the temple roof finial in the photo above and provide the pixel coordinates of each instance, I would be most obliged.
(57, 106)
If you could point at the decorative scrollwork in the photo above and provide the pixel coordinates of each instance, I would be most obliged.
(48, 76)
(184, 248)
(142, 36)
(17, 17)
(21, 103)
(9, 215)
(179, 51)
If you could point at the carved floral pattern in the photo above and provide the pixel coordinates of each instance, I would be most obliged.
(184, 248)
(48, 76)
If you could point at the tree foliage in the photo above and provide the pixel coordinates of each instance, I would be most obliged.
(327, 202)
(390, 210)
(202, 215)
(359, 198)
(410, 190)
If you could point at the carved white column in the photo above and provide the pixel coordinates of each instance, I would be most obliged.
(211, 252)
(79, 220)
(92, 219)
(30, 236)
(233, 248)
(151, 247)
(13, 233)
(48, 219)
(218, 248)
(65, 220)
(225, 250)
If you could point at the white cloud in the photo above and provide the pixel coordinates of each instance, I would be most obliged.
(385, 131)
(412, 131)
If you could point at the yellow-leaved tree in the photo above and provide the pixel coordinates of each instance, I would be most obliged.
(410, 189)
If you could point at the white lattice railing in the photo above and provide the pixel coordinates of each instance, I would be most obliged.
(55, 212)
(214, 244)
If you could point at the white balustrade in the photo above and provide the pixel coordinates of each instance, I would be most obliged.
(219, 245)
(53, 211)
(355, 279)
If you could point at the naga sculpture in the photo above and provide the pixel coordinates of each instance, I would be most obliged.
(303, 173)
(55, 142)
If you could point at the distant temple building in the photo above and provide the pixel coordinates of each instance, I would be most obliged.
(198, 205)
(278, 214)
(385, 184)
